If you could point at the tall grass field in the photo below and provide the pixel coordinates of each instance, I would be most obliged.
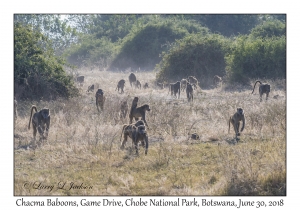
(82, 154)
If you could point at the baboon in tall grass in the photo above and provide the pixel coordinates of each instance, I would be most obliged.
(39, 121)
(263, 88)
(145, 86)
(80, 79)
(235, 121)
(217, 80)
(100, 99)
(138, 84)
(133, 106)
(175, 88)
(193, 81)
(183, 83)
(139, 112)
(132, 78)
(124, 109)
(189, 92)
(121, 85)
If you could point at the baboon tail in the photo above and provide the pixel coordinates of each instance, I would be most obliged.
(33, 107)
(146, 146)
(255, 84)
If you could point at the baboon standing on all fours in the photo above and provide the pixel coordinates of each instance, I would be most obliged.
(39, 120)
(124, 109)
(133, 106)
(100, 99)
(175, 88)
(121, 85)
(235, 121)
(263, 88)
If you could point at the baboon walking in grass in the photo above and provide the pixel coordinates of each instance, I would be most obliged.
(40, 122)
(263, 88)
(235, 121)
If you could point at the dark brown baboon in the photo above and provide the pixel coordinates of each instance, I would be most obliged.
(132, 79)
(80, 79)
(193, 80)
(100, 99)
(189, 92)
(217, 80)
(263, 88)
(133, 106)
(160, 85)
(138, 84)
(39, 120)
(175, 88)
(139, 112)
(235, 121)
(124, 109)
(121, 85)
(145, 86)
(183, 83)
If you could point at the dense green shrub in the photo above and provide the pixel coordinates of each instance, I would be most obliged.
(142, 47)
(197, 55)
(257, 58)
(37, 72)
(269, 29)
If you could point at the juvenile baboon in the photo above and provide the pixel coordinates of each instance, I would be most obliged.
(175, 88)
(132, 79)
(183, 84)
(193, 81)
(93, 87)
(39, 120)
(160, 85)
(133, 106)
(145, 86)
(235, 121)
(121, 85)
(217, 80)
(124, 109)
(138, 84)
(100, 99)
(139, 112)
(189, 92)
(80, 79)
(15, 110)
(263, 88)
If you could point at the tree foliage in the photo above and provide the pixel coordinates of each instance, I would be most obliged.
(38, 73)
(197, 55)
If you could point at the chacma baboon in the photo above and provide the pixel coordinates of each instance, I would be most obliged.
(15, 110)
(133, 105)
(183, 83)
(93, 87)
(235, 121)
(100, 99)
(189, 92)
(217, 80)
(160, 85)
(195, 136)
(263, 88)
(139, 112)
(121, 85)
(175, 88)
(145, 86)
(193, 80)
(80, 79)
(124, 109)
(132, 79)
(137, 132)
(138, 84)
(39, 120)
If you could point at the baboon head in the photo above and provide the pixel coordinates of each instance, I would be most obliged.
(146, 107)
(45, 113)
(240, 111)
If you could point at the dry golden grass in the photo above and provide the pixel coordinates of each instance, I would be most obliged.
(83, 145)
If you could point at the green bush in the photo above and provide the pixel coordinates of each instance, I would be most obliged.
(142, 47)
(197, 55)
(257, 58)
(37, 72)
